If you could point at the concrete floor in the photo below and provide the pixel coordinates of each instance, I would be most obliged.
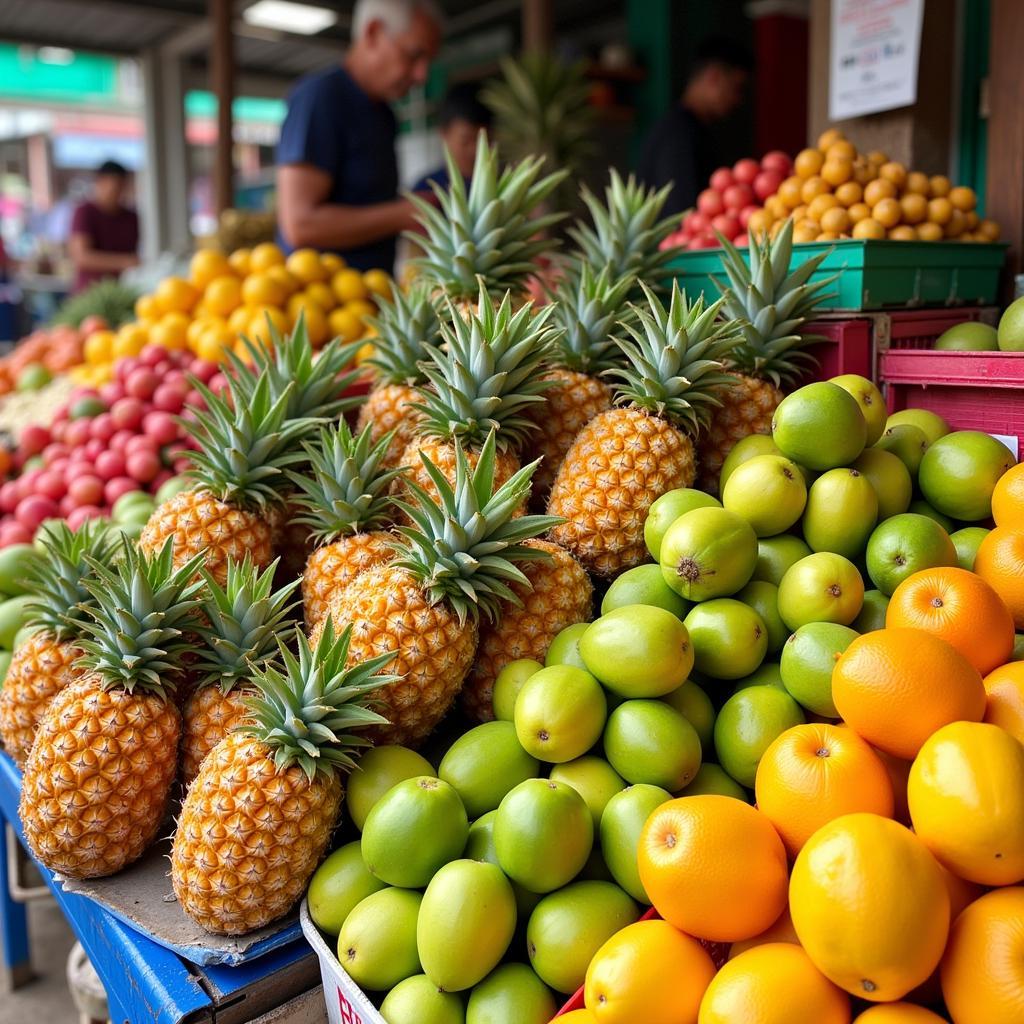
(46, 999)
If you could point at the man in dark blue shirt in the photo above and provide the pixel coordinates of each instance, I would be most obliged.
(337, 175)
(459, 120)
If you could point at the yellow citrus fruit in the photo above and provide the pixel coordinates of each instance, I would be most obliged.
(196, 328)
(914, 207)
(264, 256)
(223, 295)
(348, 285)
(819, 204)
(877, 190)
(827, 236)
(989, 230)
(918, 184)
(800, 213)
(963, 198)
(315, 319)
(859, 212)
(322, 295)
(966, 797)
(240, 262)
(835, 220)
(760, 220)
(849, 193)
(263, 290)
(814, 186)
(345, 324)
(887, 212)
(863, 172)
(893, 171)
(956, 225)
(257, 328)
(331, 262)
(806, 231)
(286, 280)
(940, 210)
(870, 906)
(837, 170)
(868, 227)
(130, 340)
(361, 308)
(781, 931)
(146, 308)
(829, 137)
(789, 192)
(214, 343)
(169, 333)
(99, 347)
(841, 149)
(808, 163)
(899, 1013)
(939, 185)
(238, 322)
(378, 282)
(175, 294)
(929, 232)
(1004, 698)
(206, 265)
(773, 984)
(305, 265)
(876, 156)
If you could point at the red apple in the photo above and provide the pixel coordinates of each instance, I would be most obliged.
(82, 514)
(118, 486)
(86, 490)
(182, 464)
(170, 397)
(161, 427)
(110, 464)
(9, 496)
(745, 170)
(140, 443)
(93, 447)
(142, 383)
(31, 511)
(195, 400)
(721, 179)
(152, 355)
(746, 213)
(703, 242)
(710, 203)
(776, 160)
(741, 241)
(53, 451)
(51, 485)
(737, 196)
(12, 532)
(143, 466)
(34, 439)
(127, 414)
(767, 184)
(102, 427)
(726, 224)
(77, 432)
(111, 392)
(202, 369)
(696, 223)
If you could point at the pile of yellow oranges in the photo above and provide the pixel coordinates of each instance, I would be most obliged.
(228, 296)
(836, 192)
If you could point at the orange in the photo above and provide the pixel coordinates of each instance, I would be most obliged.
(146, 308)
(814, 186)
(835, 220)
(288, 281)
(849, 193)
(929, 232)
(1004, 693)
(902, 233)
(315, 319)
(814, 773)
(781, 931)
(819, 204)
(863, 172)
(966, 796)
(169, 334)
(870, 906)
(773, 984)
(238, 322)
(963, 198)
(829, 137)
(264, 256)
(240, 261)
(214, 343)
(789, 192)
(983, 968)
(332, 262)
(939, 185)
(174, 294)
(1000, 563)
(345, 324)
(760, 220)
(914, 207)
(348, 285)
(989, 230)
(305, 266)
(1008, 498)
(895, 687)
(648, 972)
(841, 149)
(362, 308)
(130, 340)
(887, 212)
(956, 224)
(206, 265)
(898, 1013)
(808, 162)
(876, 156)
(378, 282)
(837, 170)
(806, 231)
(959, 607)
(868, 227)
(99, 347)
(940, 210)
(893, 171)
(223, 295)
(877, 190)
(258, 328)
(263, 290)
(713, 866)
(917, 184)
(322, 295)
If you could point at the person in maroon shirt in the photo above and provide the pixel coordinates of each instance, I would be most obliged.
(104, 232)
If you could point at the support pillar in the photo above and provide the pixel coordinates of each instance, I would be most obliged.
(538, 25)
(222, 75)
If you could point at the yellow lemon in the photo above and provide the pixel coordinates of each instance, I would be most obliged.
(264, 256)
(223, 295)
(146, 308)
(305, 265)
(288, 281)
(361, 308)
(206, 265)
(99, 347)
(348, 285)
(332, 263)
(130, 341)
(238, 322)
(263, 290)
(345, 324)
(240, 262)
(322, 295)
(175, 294)
(378, 282)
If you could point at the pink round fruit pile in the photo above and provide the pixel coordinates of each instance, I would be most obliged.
(106, 441)
(725, 206)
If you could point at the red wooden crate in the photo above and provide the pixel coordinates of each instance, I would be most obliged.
(846, 348)
(972, 390)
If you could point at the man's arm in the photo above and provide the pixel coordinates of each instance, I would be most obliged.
(85, 257)
(307, 219)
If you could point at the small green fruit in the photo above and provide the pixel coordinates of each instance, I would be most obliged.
(417, 1000)
(484, 764)
(709, 552)
(376, 772)
(377, 942)
(644, 584)
(621, 824)
(508, 684)
(511, 994)
(646, 741)
(559, 713)
(341, 882)
(664, 511)
(565, 648)
(594, 779)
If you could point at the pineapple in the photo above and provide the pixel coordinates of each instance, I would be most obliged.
(98, 780)
(238, 480)
(486, 377)
(489, 231)
(626, 235)
(258, 817)
(773, 305)
(407, 330)
(624, 459)
(460, 557)
(240, 623)
(589, 308)
(345, 502)
(558, 594)
(46, 662)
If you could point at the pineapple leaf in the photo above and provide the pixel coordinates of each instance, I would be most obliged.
(408, 328)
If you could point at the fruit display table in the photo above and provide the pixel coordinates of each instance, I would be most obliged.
(146, 982)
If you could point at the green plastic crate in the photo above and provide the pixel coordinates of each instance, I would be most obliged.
(878, 274)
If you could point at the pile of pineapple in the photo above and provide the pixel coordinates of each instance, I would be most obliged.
(338, 576)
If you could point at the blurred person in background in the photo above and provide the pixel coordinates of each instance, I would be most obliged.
(104, 237)
(681, 147)
(337, 172)
(460, 119)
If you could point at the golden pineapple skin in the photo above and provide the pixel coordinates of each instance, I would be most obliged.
(333, 566)
(573, 401)
(442, 454)
(97, 783)
(620, 462)
(389, 611)
(562, 595)
(208, 716)
(201, 524)
(746, 409)
(249, 837)
(389, 407)
(41, 667)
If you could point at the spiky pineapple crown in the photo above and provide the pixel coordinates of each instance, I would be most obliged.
(240, 623)
(590, 307)
(315, 386)
(626, 231)
(773, 305)
(464, 546)
(309, 707)
(408, 328)
(490, 231)
(488, 373)
(245, 445)
(60, 599)
(136, 625)
(345, 490)
(676, 358)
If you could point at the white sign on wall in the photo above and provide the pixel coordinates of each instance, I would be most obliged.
(874, 56)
